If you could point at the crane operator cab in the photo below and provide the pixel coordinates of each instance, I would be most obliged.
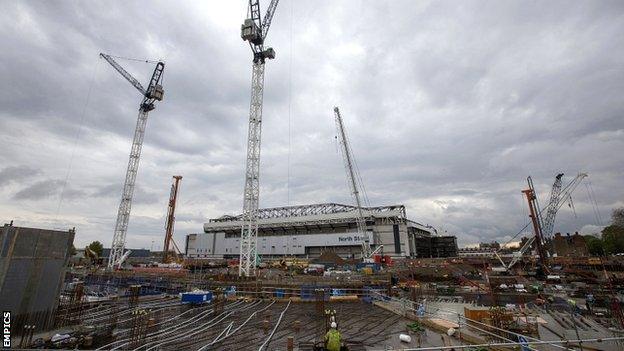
(251, 32)
(157, 93)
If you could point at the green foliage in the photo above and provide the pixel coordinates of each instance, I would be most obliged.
(415, 327)
(96, 247)
(613, 239)
(594, 245)
(617, 217)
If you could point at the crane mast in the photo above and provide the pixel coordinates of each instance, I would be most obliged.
(173, 197)
(254, 30)
(352, 179)
(153, 93)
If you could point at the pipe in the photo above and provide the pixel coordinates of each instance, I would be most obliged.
(266, 342)
(228, 334)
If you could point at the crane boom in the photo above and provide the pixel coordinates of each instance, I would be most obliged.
(352, 179)
(268, 16)
(124, 73)
(254, 31)
(153, 93)
(567, 191)
(173, 196)
(548, 222)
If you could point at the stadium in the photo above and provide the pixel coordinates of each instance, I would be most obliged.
(308, 230)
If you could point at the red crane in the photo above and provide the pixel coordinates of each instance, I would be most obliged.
(171, 220)
(534, 213)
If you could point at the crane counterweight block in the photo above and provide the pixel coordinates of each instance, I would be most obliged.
(269, 53)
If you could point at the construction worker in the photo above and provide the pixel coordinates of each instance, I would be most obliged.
(332, 338)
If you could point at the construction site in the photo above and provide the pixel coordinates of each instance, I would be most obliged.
(309, 277)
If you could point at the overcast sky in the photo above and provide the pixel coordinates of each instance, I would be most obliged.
(449, 107)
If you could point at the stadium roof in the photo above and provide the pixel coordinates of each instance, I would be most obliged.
(313, 215)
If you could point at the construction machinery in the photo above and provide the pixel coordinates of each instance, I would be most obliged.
(254, 30)
(548, 224)
(543, 227)
(534, 214)
(353, 179)
(91, 255)
(153, 93)
(173, 196)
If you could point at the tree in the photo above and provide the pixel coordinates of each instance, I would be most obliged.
(594, 245)
(613, 235)
(523, 241)
(617, 217)
(96, 247)
(613, 239)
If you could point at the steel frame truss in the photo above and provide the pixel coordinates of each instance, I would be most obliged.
(249, 231)
(123, 214)
(313, 210)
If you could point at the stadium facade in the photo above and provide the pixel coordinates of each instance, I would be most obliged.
(307, 230)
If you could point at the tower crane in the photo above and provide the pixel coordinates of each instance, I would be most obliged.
(153, 93)
(254, 30)
(352, 178)
(542, 229)
(173, 196)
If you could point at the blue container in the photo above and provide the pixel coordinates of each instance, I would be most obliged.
(307, 292)
(279, 293)
(230, 291)
(338, 292)
(197, 297)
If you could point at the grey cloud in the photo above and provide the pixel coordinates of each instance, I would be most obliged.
(109, 190)
(46, 189)
(17, 173)
(141, 195)
(39, 190)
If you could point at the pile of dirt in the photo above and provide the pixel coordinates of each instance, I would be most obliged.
(329, 258)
